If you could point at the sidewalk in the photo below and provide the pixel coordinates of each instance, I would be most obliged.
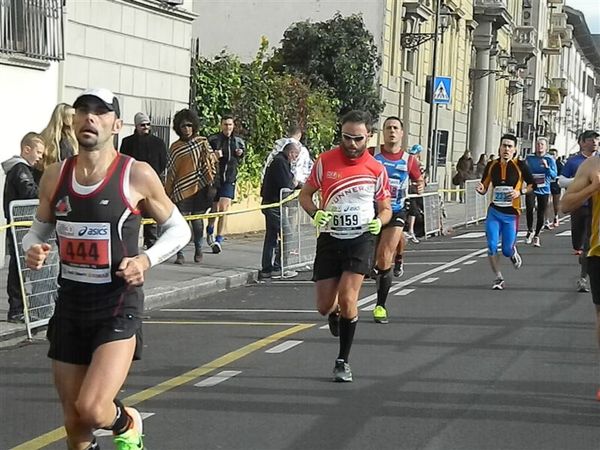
(168, 283)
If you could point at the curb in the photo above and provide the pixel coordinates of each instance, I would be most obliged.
(198, 287)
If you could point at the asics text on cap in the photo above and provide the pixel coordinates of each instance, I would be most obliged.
(104, 95)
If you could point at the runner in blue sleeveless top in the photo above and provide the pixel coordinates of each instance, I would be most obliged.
(402, 168)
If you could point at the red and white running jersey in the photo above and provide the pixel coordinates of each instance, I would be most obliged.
(349, 189)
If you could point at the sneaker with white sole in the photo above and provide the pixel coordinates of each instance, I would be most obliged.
(516, 260)
(529, 237)
(284, 274)
(341, 371)
(536, 241)
(582, 285)
(498, 284)
(132, 438)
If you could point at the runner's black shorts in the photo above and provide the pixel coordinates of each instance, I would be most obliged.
(554, 188)
(593, 270)
(335, 256)
(74, 340)
(398, 219)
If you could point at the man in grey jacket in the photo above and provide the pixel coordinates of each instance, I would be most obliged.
(19, 185)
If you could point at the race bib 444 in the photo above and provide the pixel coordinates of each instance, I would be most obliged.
(85, 251)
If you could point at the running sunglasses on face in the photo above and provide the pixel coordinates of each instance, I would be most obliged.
(356, 139)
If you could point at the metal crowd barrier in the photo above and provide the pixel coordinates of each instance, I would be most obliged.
(432, 211)
(38, 287)
(475, 203)
(298, 238)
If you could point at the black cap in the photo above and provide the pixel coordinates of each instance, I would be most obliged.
(587, 135)
(104, 95)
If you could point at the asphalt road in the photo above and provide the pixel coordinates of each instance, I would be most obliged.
(459, 366)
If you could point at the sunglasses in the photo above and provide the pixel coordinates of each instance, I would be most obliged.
(187, 125)
(144, 125)
(358, 139)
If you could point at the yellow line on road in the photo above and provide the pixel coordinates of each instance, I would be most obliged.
(59, 433)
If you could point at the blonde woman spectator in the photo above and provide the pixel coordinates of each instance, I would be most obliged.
(59, 136)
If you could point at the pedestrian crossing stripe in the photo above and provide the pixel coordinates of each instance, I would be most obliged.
(564, 233)
(480, 234)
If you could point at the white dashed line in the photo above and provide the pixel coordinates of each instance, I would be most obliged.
(218, 378)
(429, 280)
(404, 292)
(452, 270)
(468, 263)
(284, 346)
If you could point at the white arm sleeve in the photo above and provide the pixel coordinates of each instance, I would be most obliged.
(39, 233)
(564, 182)
(175, 235)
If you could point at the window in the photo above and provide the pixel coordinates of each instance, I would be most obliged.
(32, 28)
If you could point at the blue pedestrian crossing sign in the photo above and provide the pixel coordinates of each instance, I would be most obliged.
(442, 90)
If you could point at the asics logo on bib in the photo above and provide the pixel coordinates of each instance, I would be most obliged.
(85, 231)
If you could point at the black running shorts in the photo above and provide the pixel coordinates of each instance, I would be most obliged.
(335, 256)
(554, 188)
(398, 219)
(593, 270)
(74, 341)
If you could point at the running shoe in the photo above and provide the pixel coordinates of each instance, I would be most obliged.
(380, 314)
(132, 438)
(285, 274)
(210, 237)
(556, 223)
(180, 260)
(341, 371)
(529, 237)
(547, 226)
(216, 247)
(536, 241)
(334, 322)
(398, 269)
(411, 237)
(516, 260)
(198, 255)
(498, 284)
(582, 285)
(577, 252)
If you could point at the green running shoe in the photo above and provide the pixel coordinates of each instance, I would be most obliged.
(132, 438)
(380, 314)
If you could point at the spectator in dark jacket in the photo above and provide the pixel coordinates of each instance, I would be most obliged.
(230, 149)
(19, 185)
(277, 176)
(143, 146)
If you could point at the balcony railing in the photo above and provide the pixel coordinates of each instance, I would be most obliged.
(32, 28)
(491, 4)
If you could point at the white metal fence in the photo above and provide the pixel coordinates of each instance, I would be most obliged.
(38, 288)
(298, 241)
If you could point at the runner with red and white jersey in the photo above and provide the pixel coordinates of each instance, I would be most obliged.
(351, 182)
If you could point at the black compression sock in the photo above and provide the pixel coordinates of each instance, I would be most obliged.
(384, 283)
(347, 329)
(122, 420)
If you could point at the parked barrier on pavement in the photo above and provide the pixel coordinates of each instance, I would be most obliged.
(38, 287)
(298, 243)
(475, 203)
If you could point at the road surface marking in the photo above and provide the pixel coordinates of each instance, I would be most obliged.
(218, 378)
(429, 280)
(59, 433)
(284, 346)
(404, 292)
(452, 270)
